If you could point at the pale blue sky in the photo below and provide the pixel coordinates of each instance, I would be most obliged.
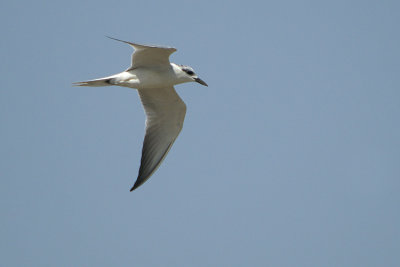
(291, 156)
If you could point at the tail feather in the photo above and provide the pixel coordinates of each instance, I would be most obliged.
(95, 83)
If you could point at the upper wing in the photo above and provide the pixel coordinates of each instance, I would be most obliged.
(165, 112)
(148, 55)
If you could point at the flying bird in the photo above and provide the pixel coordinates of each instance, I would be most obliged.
(154, 77)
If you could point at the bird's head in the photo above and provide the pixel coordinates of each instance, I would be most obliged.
(190, 76)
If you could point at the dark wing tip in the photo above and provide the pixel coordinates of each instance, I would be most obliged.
(136, 45)
(134, 187)
(138, 183)
(119, 40)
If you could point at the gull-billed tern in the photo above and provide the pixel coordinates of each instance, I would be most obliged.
(154, 77)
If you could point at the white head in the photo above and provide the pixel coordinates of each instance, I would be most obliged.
(187, 74)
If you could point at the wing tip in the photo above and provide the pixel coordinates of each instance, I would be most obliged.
(79, 84)
(133, 188)
(136, 185)
(112, 38)
(136, 45)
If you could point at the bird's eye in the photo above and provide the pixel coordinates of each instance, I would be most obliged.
(189, 72)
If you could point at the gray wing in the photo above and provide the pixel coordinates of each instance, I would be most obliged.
(165, 112)
(148, 55)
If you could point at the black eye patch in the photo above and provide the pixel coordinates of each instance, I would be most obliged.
(188, 71)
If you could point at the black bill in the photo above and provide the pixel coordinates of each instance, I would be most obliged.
(200, 81)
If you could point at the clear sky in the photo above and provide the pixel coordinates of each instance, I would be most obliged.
(291, 156)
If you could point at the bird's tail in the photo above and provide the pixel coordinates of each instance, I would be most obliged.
(97, 82)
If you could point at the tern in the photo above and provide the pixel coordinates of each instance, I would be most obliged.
(154, 77)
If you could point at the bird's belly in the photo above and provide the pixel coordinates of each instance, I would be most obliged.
(145, 78)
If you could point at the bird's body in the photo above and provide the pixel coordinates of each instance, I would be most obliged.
(154, 76)
(143, 77)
